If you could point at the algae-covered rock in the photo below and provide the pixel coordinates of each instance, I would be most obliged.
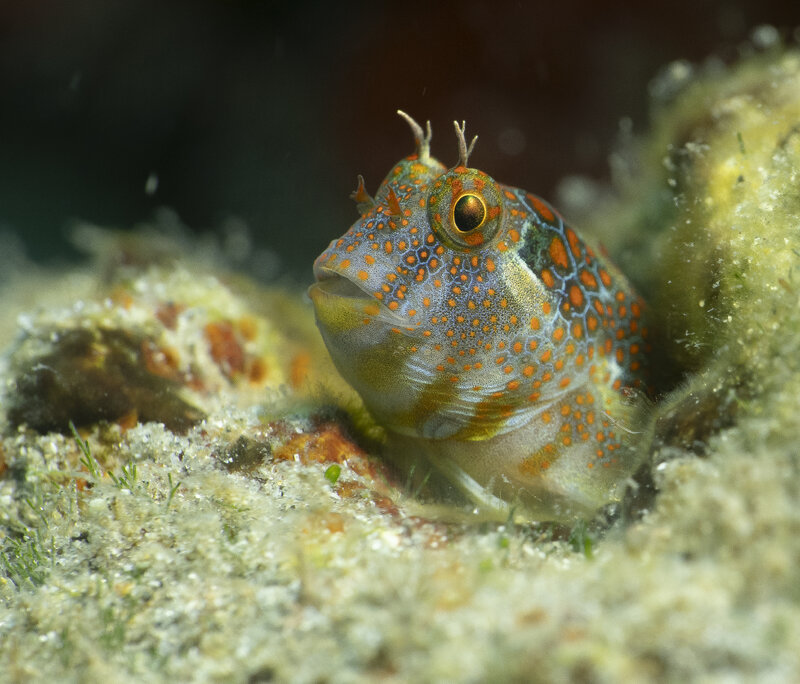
(264, 541)
(709, 198)
(91, 375)
(163, 345)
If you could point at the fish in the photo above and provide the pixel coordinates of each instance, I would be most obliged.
(487, 337)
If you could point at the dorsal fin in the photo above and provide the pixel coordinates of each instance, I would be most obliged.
(423, 140)
(463, 150)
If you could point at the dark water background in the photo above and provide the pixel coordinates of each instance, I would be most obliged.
(262, 113)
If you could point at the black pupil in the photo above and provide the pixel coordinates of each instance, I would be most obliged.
(468, 213)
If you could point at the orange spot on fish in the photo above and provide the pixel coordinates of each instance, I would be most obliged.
(541, 208)
(574, 243)
(558, 253)
(588, 279)
(575, 296)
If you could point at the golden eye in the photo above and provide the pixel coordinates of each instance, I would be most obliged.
(469, 213)
(465, 208)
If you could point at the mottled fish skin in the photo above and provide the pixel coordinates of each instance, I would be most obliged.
(484, 333)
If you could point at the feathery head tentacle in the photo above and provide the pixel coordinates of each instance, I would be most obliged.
(423, 140)
(463, 150)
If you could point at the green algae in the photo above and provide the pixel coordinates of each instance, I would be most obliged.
(332, 473)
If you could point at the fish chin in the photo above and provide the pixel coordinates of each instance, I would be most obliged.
(361, 335)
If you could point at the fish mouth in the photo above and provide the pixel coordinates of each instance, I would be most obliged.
(334, 284)
(341, 300)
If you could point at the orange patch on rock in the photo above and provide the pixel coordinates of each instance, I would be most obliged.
(326, 444)
(258, 371)
(248, 327)
(225, 348)
(129, 420)
(168, 313)
(161, 361)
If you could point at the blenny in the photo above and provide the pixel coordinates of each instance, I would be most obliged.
(486, 336)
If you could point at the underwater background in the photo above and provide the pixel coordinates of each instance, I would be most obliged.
(256, 117)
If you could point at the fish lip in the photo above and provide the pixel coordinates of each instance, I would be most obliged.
(339, 284)
(333, 285)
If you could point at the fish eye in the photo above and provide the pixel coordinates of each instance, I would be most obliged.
(469, 213)
(465, 208)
